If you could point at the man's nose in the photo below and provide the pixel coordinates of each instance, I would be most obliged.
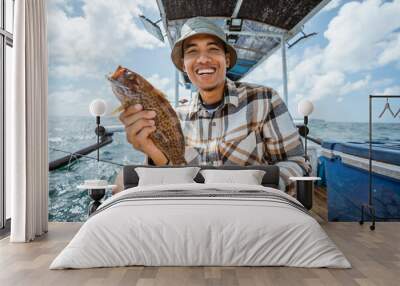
(204, 57)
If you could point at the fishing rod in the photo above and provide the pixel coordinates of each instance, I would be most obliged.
(77, 155)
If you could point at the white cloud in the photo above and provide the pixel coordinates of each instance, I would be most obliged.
(363, 36)
(392, 50)
(326, 84)
(332, 5)
(74, 71)
(103, 34)
(303, 75)
(71, 99)
(161, 83)
(63, 101)
(351, 87)
(167, 86)
(392, 90)
(360, 38)
(269, 71)
(358, 35)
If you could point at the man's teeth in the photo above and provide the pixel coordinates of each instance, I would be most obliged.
(205, 71)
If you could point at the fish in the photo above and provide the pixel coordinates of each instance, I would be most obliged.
(131, 88)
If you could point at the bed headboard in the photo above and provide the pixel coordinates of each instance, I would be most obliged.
(270, 179)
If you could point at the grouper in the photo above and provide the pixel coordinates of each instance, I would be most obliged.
(131, 88)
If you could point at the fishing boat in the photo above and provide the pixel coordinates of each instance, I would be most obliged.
(345, 167)
(258, 29)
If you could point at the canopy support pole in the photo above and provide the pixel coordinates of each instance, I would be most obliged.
(237, 8)
(284, 71)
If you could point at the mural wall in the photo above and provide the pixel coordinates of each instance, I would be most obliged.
(337, 69)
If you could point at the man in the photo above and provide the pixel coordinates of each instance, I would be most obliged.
(226, 122)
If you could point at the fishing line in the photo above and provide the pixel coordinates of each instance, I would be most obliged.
(86, 156)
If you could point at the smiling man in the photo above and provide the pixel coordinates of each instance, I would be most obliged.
(205, 60)
(226, 122)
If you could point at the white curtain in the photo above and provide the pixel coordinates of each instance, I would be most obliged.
(26, 123)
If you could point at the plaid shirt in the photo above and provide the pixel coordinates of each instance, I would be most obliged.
(252, 126)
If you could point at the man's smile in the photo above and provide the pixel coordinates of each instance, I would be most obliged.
(205, 73)
(202, 71)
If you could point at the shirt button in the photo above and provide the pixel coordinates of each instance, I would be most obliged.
(214, 123)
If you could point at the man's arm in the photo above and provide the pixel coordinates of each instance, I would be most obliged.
(283, 146)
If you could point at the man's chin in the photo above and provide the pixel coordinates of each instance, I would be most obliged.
(208, 88)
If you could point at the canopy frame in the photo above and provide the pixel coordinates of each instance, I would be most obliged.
(249, 58)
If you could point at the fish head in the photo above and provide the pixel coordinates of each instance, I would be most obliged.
(126, 84)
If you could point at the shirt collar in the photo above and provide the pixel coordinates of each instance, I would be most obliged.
(231, 96)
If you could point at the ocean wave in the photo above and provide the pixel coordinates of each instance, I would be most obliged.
(55, 140)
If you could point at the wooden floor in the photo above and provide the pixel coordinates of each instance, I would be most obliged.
(320, 204)
(374, 255)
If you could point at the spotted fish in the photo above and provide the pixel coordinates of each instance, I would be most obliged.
(131, 89)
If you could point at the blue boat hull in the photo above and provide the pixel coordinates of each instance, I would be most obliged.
(347, 188)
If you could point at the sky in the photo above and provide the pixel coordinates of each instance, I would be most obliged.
(355, 53)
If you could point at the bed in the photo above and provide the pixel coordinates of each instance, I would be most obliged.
(201, 224)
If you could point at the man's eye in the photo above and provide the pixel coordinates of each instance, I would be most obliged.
(215, 49)
(190, 51)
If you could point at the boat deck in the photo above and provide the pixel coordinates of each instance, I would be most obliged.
(374, 255)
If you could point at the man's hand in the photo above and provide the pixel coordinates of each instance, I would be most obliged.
(139, 124)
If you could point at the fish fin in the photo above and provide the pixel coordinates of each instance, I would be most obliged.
(118, 110)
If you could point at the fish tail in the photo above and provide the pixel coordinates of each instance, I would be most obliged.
(179, 162)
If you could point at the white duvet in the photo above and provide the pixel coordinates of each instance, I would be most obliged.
(183, 231)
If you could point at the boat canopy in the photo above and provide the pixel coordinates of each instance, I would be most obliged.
(256, 28)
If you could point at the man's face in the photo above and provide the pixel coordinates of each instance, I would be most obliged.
(205, 61)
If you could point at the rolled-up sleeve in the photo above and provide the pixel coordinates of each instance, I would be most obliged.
(282, 144)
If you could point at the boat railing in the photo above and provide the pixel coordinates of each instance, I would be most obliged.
(107, 138)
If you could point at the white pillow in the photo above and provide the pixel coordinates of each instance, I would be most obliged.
(166, 176)
(248, 177)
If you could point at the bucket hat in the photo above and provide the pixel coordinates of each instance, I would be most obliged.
(196, 26)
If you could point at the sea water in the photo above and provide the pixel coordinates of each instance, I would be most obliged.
(70, 134)
(66, 201)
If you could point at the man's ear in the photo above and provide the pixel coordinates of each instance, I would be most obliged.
(228, 60)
